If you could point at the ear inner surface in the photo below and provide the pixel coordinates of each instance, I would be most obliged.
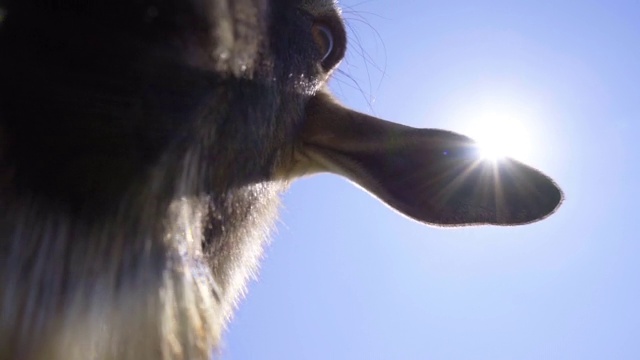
(433, 176)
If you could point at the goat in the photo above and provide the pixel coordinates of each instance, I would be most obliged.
(143, 147)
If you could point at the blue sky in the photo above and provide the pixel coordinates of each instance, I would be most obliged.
(348, 278)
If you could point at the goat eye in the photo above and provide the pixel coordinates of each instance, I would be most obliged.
(323, 38)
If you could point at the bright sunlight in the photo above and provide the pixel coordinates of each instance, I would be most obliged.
(501, 136)
(500, 131)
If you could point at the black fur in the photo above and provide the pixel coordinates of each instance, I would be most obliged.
(110, 112)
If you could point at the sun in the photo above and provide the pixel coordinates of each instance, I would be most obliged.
(501, 132)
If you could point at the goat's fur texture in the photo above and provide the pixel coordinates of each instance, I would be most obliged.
(143, 145)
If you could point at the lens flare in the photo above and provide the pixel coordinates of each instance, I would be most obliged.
(500, 134)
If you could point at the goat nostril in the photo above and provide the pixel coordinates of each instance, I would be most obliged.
(152, 13)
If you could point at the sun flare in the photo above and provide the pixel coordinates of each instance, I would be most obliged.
(500, 132)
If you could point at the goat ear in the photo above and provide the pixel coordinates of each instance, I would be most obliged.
(433, 176)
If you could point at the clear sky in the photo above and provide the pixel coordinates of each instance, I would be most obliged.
(348, 278)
